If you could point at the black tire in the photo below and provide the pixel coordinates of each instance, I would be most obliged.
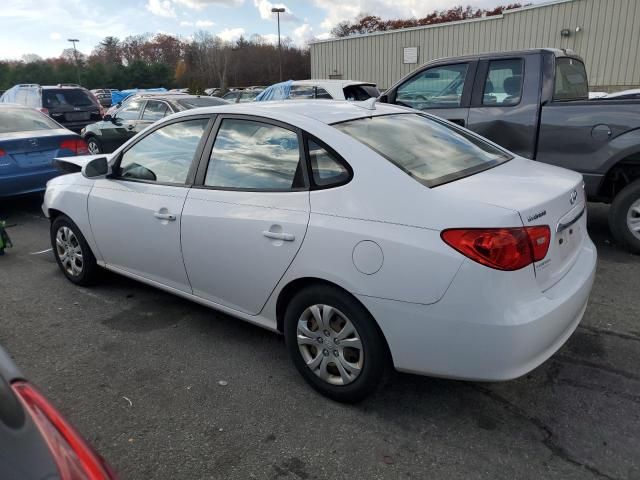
(618, 217)
(376, 362)
(93, 141)
(89, 272)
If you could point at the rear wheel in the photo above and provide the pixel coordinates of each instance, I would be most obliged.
(73, 255)
(624, 217)
(93, 145)
(335, 344)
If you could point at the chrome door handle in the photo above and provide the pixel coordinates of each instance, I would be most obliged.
(287, 237)
(165, 216)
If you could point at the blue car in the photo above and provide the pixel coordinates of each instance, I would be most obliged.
(29, 141)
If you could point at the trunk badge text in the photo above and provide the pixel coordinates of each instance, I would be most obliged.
(535, 216)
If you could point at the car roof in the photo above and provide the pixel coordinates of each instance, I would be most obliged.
(511, 53)
(322, 81)
(295, 111)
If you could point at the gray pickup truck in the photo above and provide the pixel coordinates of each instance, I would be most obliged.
(536, 104)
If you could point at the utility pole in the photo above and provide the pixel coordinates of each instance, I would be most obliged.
(75, 55)
(278, 11)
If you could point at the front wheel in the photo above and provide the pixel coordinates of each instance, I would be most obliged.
(73, 255)
(335, 344)
(624, 217)
(93, 146)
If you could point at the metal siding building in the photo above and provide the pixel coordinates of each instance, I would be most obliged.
(608, 41)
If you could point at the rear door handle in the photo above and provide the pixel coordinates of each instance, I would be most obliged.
(287, 237)
(165, 216)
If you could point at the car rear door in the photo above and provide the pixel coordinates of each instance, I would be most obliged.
(507, 89)
(245, 218)
(135, 216)
(443, 90)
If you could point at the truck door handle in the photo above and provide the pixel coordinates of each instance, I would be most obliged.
(287, 237)
(165, 216)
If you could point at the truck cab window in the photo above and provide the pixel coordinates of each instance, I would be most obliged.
(438, 87)
(503, 85)
(571, 80)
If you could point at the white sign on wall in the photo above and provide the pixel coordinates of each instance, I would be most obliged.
(411, 55)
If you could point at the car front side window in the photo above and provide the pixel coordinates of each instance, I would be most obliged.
(165, 155)
(252, 155)
(437, 87)
(131, 111)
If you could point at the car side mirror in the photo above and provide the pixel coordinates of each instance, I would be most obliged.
(384, 98)
(107, 118)
(98, 167)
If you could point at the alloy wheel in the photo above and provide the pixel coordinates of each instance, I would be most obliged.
(69, 251)
(330, 344)
(633, 219)
(93, 147)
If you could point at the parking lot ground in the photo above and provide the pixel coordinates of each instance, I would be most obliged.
(138, 371)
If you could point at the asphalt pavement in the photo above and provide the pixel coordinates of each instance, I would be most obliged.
(167, 389)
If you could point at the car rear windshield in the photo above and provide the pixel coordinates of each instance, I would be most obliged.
(200, 102)
(67, 97)
(360, 92)
(571, 80)
(24, 120)
(429, 150)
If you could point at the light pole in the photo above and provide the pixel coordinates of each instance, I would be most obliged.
(75, 55)
(278, 11)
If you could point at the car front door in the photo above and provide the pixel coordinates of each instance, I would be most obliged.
(135, 216)
(245, 218)
(122, 126)
(443, 90)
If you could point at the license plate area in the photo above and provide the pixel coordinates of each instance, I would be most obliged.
(77, 116)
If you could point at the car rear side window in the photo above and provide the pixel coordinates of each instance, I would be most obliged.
(321, 93)
(571, 80)
(66, 97)
(165, 155)
(326, 168)
(24, 120)
(503, 85)
(431, 151)
(251, 155)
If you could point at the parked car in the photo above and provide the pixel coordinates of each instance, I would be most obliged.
(370, 235)
(70, 105)
(535, 103)
(136, 115)
(242, 96)
(320, 89)
(29, 141)
(36, 441)
(212, 92)
(634, 93)
(103, 95)
(128, 95)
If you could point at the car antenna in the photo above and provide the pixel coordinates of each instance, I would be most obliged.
(369, 104)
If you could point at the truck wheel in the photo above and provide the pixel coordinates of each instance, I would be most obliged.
(624, 217)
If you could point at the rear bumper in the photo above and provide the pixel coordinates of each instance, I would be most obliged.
(22, 183)
(487, 330)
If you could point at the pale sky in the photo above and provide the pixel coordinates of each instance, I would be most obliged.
(43, 26)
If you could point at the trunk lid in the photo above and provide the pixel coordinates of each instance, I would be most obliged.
(542, 195)
(29, 151)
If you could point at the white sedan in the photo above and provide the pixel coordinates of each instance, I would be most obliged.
(371, 236)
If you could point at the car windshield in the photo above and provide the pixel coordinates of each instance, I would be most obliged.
(200, 102)
(74, 97)
(429, 150)
(24, 120)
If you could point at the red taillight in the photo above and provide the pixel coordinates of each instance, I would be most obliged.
(2, 153)
(501, 248)
(43, 110)
(74, 458)
(77, 146)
